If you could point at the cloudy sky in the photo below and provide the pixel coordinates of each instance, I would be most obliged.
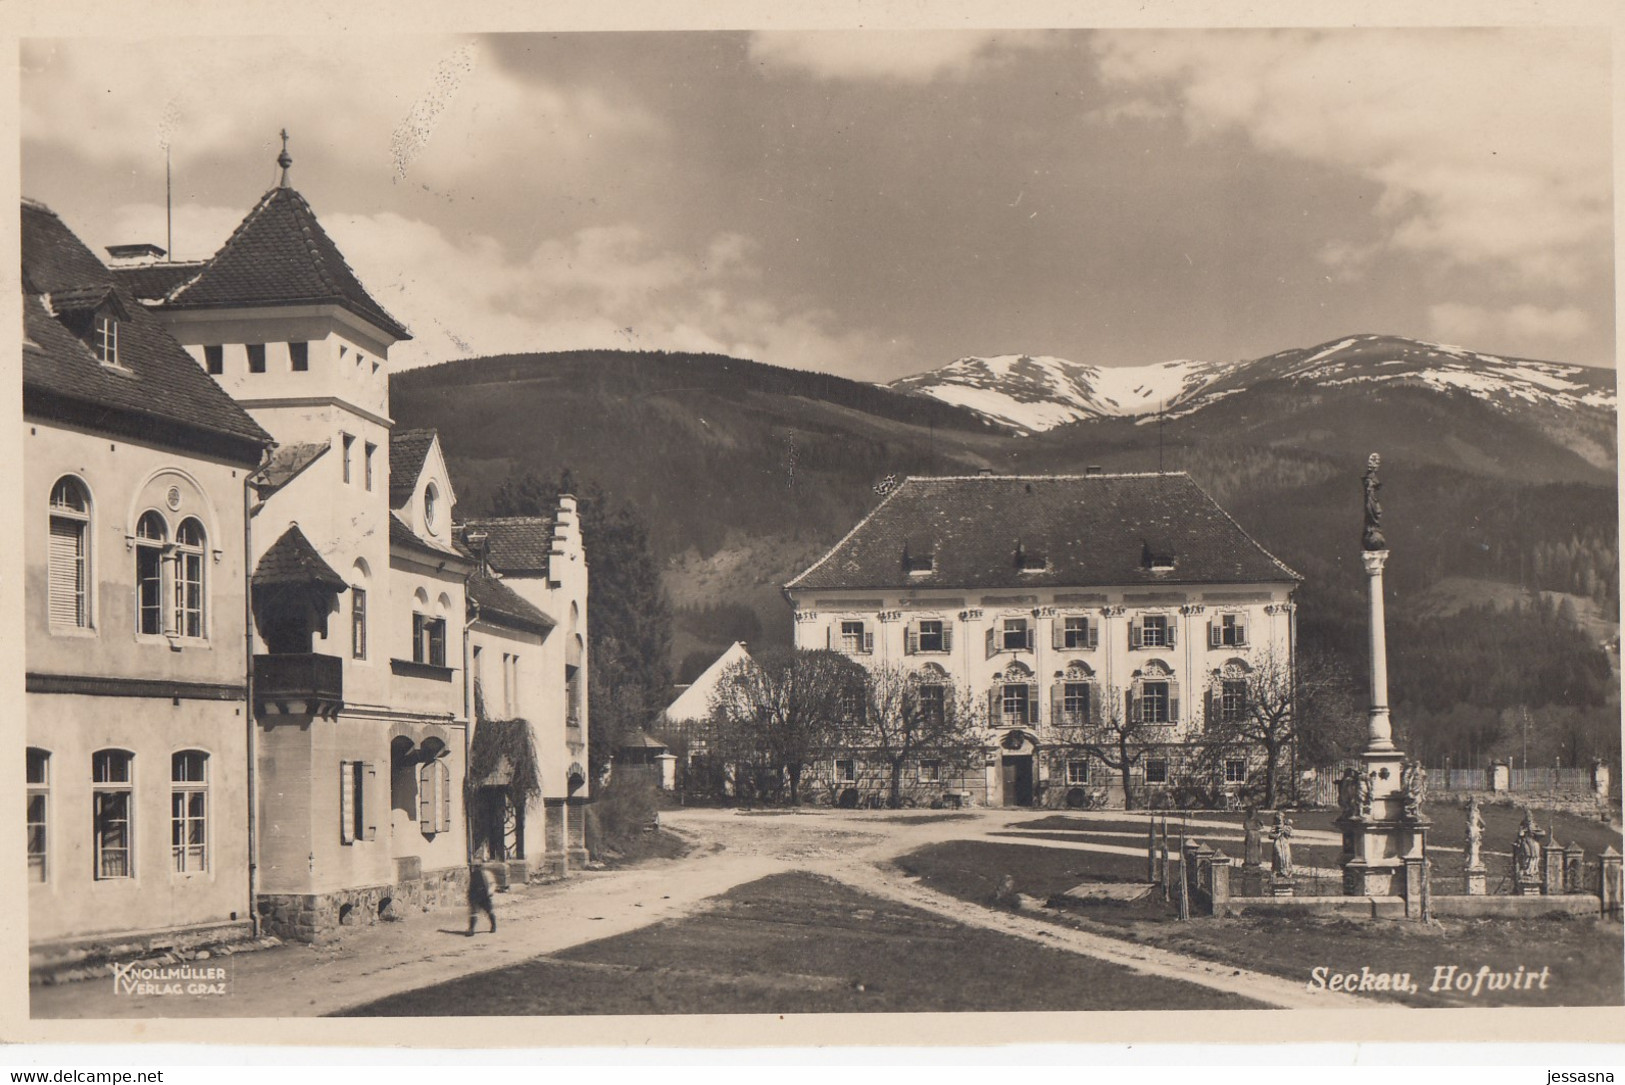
(879, 203)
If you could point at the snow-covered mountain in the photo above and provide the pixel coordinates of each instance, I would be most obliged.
(1033, 394)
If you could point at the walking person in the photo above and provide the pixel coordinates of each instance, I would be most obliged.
(479, 897)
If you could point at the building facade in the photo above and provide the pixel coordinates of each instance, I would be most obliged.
(1066, 610)
(235, 541)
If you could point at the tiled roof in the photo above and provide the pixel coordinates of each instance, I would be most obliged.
(1092, 530)
(157, 385)
(280, 255)
(501, 603)
(408, 448)
(154, 282)
(400, 532)
(292, 560)
(514, 544)
(286, 464)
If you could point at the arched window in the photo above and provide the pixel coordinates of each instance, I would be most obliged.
(431, 508)
(189, 811)
(358, 611)
(112, 778)
(151, 536)
(39, 801)
(189, 586)
(69, 560)
(1154, 698)
(1073, 698)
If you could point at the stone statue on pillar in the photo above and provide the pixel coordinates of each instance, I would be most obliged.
(1373, 538)
(1414, 781)
(1349, 790)
(1281, 841)
(1526, 850)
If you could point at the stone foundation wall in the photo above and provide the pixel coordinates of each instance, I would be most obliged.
(305, 917)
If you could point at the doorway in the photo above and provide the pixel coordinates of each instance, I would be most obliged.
(1018, 780)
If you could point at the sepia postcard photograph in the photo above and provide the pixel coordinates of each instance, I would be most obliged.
(827, 524)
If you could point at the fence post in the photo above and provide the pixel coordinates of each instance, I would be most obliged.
(1608, 884)
(1500, 777)
(1151, 848)
(1219, 894)
(1574, 869)
(1551, 867)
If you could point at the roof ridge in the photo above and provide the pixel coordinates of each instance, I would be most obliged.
(844, 538)
(1289, 570)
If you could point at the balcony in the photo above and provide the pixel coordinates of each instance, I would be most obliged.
(298, 684)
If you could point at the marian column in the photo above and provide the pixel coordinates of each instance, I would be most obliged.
(1384, 831)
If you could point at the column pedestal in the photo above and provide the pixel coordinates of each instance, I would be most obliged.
(1476, 883)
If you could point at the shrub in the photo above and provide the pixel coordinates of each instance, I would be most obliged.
(623, 811)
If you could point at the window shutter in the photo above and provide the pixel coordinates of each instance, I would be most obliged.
(991, 651)
(947, 637)
(1030, 637)
(1134, 638)
(1057, 704)
(368, 801)
(1033, 715)
(1131, 705)
(1215, 634)
(1173, 632)
(1207, 707)
(1057, 629)
(1089, 709)
(1094, 635)
(426, 798)
(829, 637)
(347, 802)
(995, 707)
(66, 572)
(911, 639)
(1241, 633)
(868, 641)
(1173, 701)
(445, 797)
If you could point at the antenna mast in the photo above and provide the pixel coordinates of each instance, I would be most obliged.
(1162, 405)
(169, 209)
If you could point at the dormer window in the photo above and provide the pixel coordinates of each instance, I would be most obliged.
(1158, 559)
(918, 560)
(107, 338)
(431, 508)
(1029, 560)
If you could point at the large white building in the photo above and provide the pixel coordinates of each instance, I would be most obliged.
(1061, 603)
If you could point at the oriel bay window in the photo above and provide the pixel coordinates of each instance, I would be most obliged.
(189, 811)
(111, 774)
(428, 640)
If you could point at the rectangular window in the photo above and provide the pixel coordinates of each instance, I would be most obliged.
(856, 639)
(1075, 702)
(931, 636)
(214, 359)
(349, 450)
(1233, 700)
(1017, 637)
(1229, 631)
(69, 597)
(428, 640)
(513, 705)
(107, 340)
(149, 587)
(358, 623)
(299, 357)
(188, 818)
(1156, 771)
(846, 770)
(256, 357)
(1154, 702)
(1154, 631)
(189, 593)
(1077, 771)
(39, 793)
(1235, 771)
(930, 770)
(349, 800)
(1013, 704)
(110, 814)
(933, 704)
(367, 456)
(1075, 633)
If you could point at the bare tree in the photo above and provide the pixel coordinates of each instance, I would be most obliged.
(772, 715)
(1117, 735)
(1282, 710)
(909, 715)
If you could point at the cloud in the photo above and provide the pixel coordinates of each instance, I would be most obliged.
(1518, 324)
(430, 106)
(891, 55)
(1486, 146)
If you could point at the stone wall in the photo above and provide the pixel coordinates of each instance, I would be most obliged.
(306, 917)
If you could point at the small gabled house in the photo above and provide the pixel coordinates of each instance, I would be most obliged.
(1065, 605)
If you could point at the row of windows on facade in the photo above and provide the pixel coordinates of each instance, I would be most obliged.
(169, 570)
(1074, 632)
(112, 778)
(298, 354)
(1155, 770)
(1077, 703)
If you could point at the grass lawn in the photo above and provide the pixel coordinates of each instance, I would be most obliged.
(1584, 956)
(799, 943)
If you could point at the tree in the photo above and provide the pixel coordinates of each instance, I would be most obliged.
(1282, 710)
(775, 714)
(907, 715)
(628, 615)
(1117, 737)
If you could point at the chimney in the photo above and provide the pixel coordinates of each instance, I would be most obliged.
(1092, 469)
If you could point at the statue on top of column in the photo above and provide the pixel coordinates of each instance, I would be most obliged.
(1373, 539)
